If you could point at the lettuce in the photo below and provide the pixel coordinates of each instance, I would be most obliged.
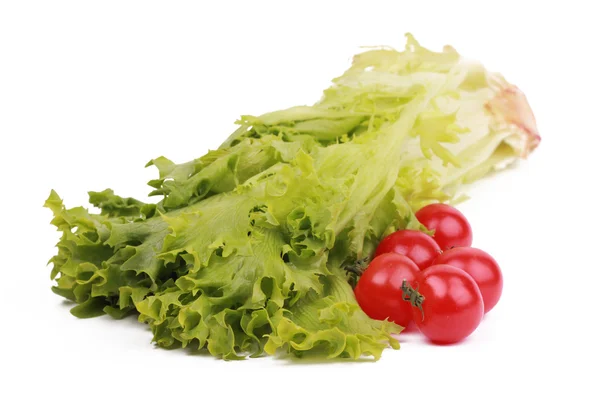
(245, 251)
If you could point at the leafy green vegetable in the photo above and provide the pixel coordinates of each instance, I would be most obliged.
(244, 252)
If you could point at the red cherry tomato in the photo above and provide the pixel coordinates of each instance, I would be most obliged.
(451, 227)
(481, 266)
(451, 307)
(416, 245)
(379, 291)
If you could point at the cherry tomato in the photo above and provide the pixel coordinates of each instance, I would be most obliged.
(481, 266)
(451, 306)
(451, 227)
(379, 292)
(416, 245)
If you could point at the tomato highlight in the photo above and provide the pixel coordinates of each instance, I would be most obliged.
(451, 227)
(416, 245)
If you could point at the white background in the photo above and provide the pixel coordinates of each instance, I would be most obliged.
(90, 91)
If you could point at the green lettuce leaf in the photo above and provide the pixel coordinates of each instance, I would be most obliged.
(245, 253)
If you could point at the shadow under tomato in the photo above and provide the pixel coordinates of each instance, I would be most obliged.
(454, 344)
(410, 334)
(410, 328)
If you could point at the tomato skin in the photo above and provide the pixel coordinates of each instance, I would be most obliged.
(416, 245)
(453, 305)
(379, 292)
(482, 267)
(451, 227)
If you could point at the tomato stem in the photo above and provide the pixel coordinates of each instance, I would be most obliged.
(413, 296)
(358, 267)
(355, 270)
